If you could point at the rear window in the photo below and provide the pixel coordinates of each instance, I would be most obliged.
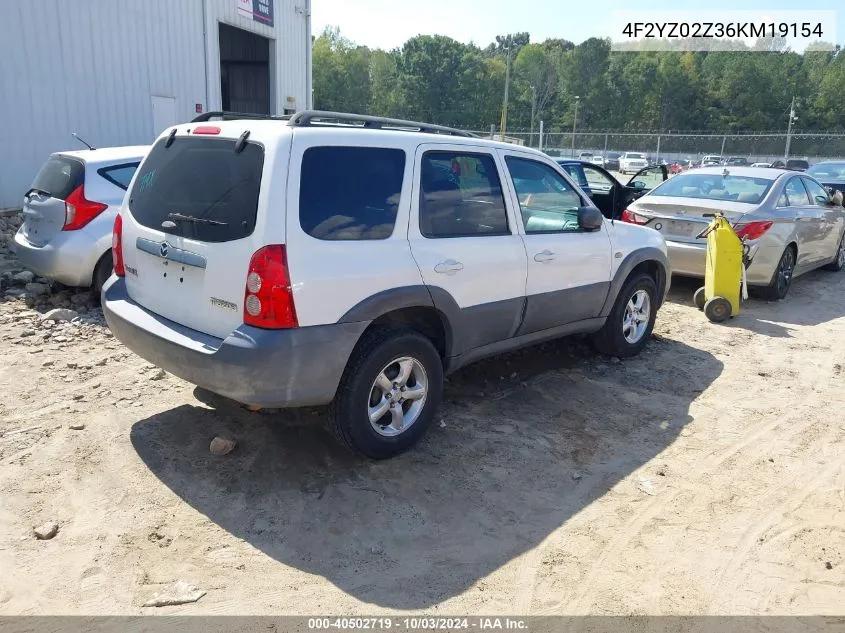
(202, 185)
(59, 176)
(635, 156)
(350, 193)
(715, 187)
(119, 175)
(797, 164)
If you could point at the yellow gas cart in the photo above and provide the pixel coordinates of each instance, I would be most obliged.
(724, 273)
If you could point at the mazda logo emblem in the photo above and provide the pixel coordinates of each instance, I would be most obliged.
(163, 249)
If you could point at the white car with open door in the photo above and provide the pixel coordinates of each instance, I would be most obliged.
(790, 223)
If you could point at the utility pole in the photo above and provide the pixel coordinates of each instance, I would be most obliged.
(507, 85)
(533, 114)
(541, 135)
(792, 119)
(574, 123)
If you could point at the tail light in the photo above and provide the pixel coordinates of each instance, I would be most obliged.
(752, 230)
(79, 211)
(117, 247)
(268, 299)
(633, 218)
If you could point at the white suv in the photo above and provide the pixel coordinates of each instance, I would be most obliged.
(355, 260)
(631, 162)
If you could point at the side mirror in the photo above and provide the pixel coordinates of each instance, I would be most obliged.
(637, 184)
(824, 199)
(590, 218)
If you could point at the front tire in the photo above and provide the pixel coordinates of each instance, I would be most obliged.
(631, 321)
(388, 394)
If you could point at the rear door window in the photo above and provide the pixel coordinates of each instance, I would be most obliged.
(201, 185)
(119, 175)
(461, 196)
(350, 193)
(796, 194)
(59, 176)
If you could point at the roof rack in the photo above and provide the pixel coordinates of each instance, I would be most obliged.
(234, 116)
(309, 118)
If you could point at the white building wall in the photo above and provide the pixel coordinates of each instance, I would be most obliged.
(93, 66)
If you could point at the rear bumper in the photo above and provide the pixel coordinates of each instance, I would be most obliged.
(69, 257)
(268, 368)
(689, 260)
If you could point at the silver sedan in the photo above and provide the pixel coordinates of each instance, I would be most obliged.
(788, 221)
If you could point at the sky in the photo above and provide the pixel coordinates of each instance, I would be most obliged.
(388, 24)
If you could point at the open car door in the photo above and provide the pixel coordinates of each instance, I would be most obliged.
(644, 181)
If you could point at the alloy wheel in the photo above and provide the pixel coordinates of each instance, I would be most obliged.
(397, 396)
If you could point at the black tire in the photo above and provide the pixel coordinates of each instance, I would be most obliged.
(699, 298)
(782, 279)
(349, 410)
(718, 309)
(610, 340)
(839, 263)
(102, 272)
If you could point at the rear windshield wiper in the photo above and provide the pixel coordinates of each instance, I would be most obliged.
(190, 218)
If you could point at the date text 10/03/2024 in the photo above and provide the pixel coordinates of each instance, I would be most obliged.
(418, 624)
(673, 30)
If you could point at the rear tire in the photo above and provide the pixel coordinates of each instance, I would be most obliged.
(628, 326)
(102, 272)
(839, 263)
(389, 393)
(782, 279)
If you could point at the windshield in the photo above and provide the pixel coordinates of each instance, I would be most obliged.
(632, 155)
(715, 187)
(829, 171)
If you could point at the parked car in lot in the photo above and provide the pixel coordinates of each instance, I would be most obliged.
(631, 162)
(761, 165)
(69, 211)
(793, 164)
(735, 161)
(788, 221)
(589, 157)
(354, 260)
(607, 193)
(711, 160)
(611, 160)
(830, 173)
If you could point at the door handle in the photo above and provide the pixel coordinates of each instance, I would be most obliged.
(449, 267)
(544, 256)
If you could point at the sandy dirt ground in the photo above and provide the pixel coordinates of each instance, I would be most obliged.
(706, 476)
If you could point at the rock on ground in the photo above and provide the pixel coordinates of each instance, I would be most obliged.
(60, 314)
(222, 446)
(46, 531)
(180, 592)
(24, 277)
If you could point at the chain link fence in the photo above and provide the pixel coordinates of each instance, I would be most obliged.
(755, 147)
